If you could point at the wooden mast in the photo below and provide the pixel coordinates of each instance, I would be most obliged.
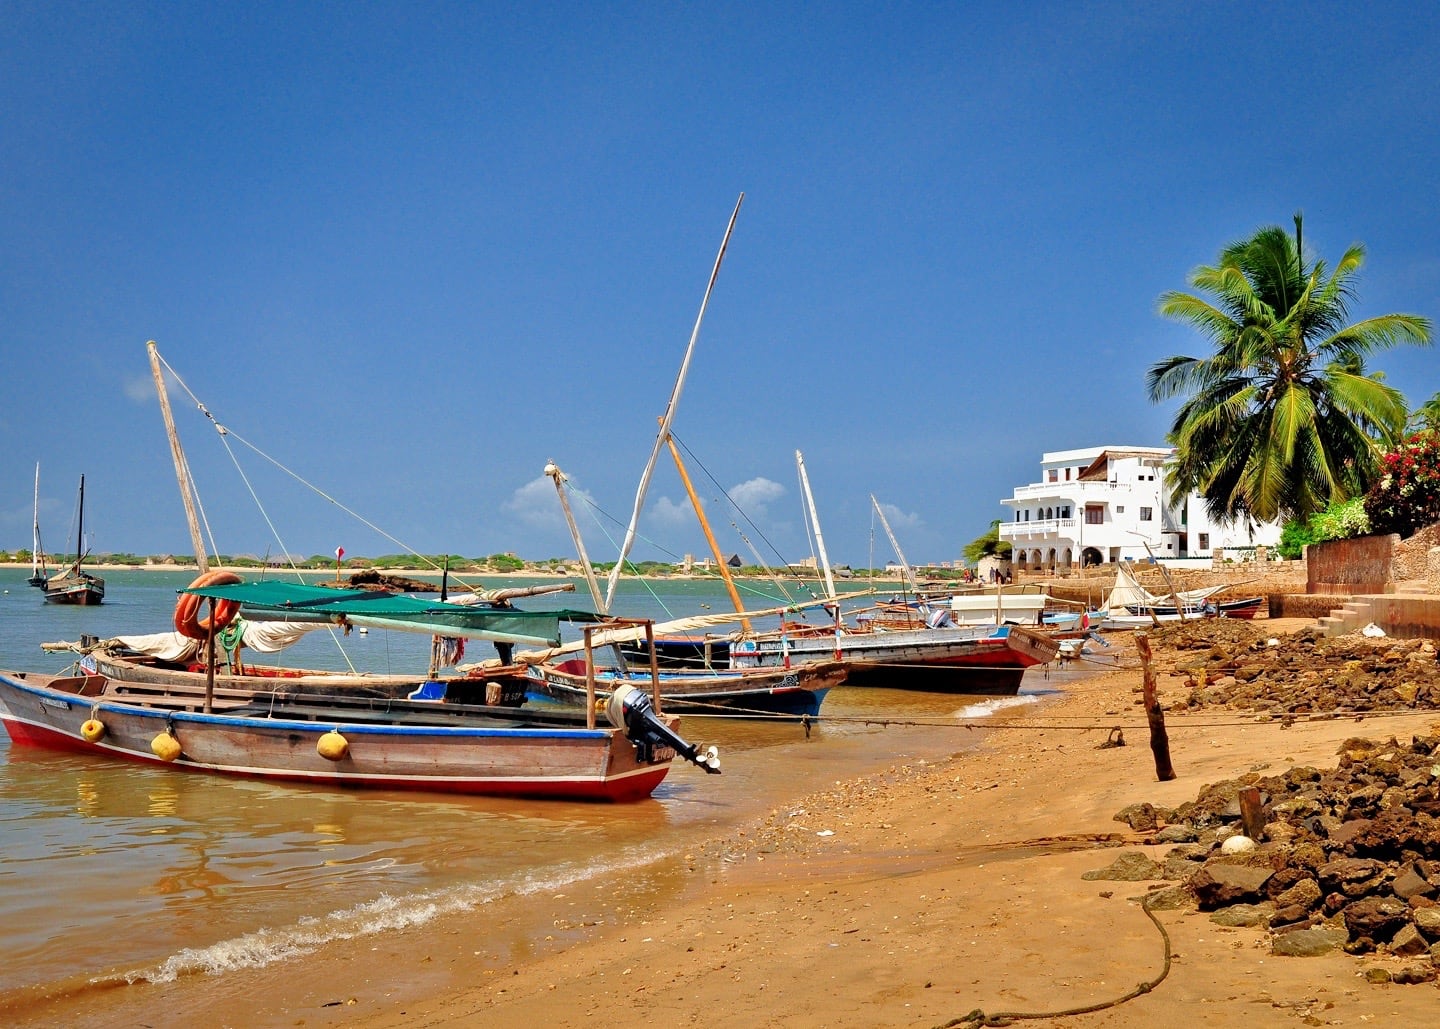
(669, 416)
(553, 470)
(815, 524)
(182, 470)
(709, 536)
(904, 565)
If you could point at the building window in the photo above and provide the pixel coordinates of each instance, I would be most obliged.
(1065, 511)
(1145, 513)
(1204, 541)
(1067, 474)
(1120, 509)
(1054, 475)
(1017, 517)
(1094, 516)
(1027, 517)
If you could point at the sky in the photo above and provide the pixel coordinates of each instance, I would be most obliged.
(407, 254)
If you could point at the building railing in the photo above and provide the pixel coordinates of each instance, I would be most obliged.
(1013, 530)
(1062, 490)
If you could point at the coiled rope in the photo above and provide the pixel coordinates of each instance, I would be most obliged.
(979, 1017)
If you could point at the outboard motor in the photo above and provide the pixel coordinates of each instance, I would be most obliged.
(629, 708)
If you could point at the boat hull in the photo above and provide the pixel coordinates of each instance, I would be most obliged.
(84, 591)
(461, 755)
(504, 687)
(1247, 608)
(975, 661)
(797, 692)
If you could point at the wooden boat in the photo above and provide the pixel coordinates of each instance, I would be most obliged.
(984, 660)
(1130, 605)
(1246, 608)
(351, 741)
(794, 691)
(269, 616)
(75, 585)
(39, 573)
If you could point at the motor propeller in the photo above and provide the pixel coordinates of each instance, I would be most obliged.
(629, 708)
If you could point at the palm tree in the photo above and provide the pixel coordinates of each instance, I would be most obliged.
(1282, 419)
(1426, 416)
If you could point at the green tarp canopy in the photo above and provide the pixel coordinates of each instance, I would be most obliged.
(292, 602)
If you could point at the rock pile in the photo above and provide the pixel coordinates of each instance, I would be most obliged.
(1237, 665)
(1349, 856)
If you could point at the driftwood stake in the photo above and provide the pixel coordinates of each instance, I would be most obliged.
(1252, 813)
(1159, 739)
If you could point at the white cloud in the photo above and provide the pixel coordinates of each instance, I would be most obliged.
(668, 513)
(898, 519)
(755, 495)
(535, 503)
(140, 388)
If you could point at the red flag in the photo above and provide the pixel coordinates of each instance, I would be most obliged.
(339, 553)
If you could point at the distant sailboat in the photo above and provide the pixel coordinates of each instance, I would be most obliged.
(38, 572)
(74, 585)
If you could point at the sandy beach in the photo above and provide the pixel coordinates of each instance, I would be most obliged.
(919, 896)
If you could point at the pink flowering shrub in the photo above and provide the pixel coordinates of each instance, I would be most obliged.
(1406, 497)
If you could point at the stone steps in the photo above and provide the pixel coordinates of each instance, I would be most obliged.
(1353, 615)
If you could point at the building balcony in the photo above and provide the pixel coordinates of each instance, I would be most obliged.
(1064, 491)
(1043, 527)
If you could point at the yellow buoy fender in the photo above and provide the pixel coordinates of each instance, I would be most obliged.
(332, 746)
(165, 746)
(92, 730)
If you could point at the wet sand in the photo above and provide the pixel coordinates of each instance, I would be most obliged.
(912, 897)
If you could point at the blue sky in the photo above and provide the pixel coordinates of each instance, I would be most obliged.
(414, 251)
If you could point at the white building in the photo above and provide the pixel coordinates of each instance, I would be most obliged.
(1104, 504)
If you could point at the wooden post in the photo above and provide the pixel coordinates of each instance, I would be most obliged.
(589, 679)
(654, 665)
(210, 660)
(1159, 740)
(1252, 814)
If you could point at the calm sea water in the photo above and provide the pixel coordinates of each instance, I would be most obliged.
(223, 874)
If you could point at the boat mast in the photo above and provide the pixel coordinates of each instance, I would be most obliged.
(709, 536)
(182, 470)
(553, 470)
(37, 556)
(904, 565)
(815, 522)
(669, 416)
(80, 527)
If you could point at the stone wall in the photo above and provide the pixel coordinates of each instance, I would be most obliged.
(1412, 555)
(1361, 565)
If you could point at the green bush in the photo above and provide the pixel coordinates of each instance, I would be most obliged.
(1340, 521)
(1406, 498)
(1294, 538)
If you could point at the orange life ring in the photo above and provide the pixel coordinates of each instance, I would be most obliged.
(187, 609)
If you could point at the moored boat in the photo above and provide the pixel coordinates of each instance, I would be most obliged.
(350, 741)
(75, 585)
(984, 660)
(795, 691)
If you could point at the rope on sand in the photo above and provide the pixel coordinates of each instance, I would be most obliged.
(979, 1017)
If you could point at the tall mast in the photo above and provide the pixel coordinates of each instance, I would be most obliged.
(904, 565)
(553, 470)
(35, 549)
(182, 470)
(709, 536)
(815, 522)
(669, 417)
(80, 527)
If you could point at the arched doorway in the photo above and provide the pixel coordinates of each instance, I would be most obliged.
(1090, 558)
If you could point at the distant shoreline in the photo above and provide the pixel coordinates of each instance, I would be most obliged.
(844, 586)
